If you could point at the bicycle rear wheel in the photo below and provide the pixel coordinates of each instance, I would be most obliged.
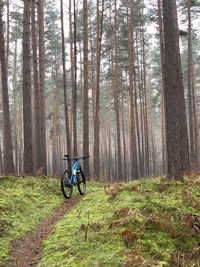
(81, 183)
(65, 185)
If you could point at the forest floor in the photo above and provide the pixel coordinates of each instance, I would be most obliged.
(146, 223)
(26, 251)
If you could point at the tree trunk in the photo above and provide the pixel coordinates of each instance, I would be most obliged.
(116, 95)
(15, 134)
(162, 54)
(85, 92)
(72, 68)
(8, 31)
(124, 142)
(7, 137)
(145, 105)
(133, 147)
(20, 122)
(96, 169)
(1, 159)
(27, 110)
(65, 81)
(175, 113)
(43, 155)
(55, 126)
(37, 107)
(191, 95)
(74, 93)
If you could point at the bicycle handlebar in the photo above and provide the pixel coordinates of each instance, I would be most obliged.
(67, 157)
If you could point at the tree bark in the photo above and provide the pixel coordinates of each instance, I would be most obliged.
(145, 104)
(191, 94)
(7, 137)
(85, 90)
(1, 159)
(162, 54)
(43, 155)
(27, 110)
(37, 107)
(8, 30)
(175, 113)
(96, 167)
(15, 134)
(65, 81)
(74, 92)
(55, 126)
(116, 95)
(133, 147)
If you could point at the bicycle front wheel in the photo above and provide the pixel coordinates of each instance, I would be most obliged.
(81, 183)
(66, 187)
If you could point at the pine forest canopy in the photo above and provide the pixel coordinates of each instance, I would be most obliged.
(103, 78)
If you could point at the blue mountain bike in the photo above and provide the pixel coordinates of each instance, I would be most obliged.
(73, 176)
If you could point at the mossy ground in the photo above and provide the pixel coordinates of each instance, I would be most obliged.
(147, 223)
(24, 203)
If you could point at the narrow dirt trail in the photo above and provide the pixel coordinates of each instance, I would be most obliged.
(26, 251)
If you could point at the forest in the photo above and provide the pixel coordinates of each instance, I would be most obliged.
(103, 93)
(87, 78)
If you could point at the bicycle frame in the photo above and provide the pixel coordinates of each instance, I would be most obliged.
(73, 173)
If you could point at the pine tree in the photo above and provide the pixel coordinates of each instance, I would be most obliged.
(7, 137)
(27, 109)
(175, 112)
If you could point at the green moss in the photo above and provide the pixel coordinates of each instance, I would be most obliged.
(24, 203)
(109, 224)
(158, 245)
(142, 223)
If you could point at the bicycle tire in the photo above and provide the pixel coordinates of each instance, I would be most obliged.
(65, 185)
(81, 183)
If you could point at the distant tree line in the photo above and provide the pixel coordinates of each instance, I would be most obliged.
(105, 78)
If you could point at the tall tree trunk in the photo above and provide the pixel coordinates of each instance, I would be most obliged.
(43, 155)
(175, 113)
(191, 94)
(65, 81)
(8, 30)
(92, 63)
(55, 126)
(74, 93)
(133, 147)
(27, 110)
(138, 137)
(124, 142)
(145, 105)
(15, 134)
(37, 107)
(116, 95)
(72, 67)
(20, 121)
(138, 108)
(96, 167)
(141, 121)
(7, 137)
(81, 69)
(162, 54)
(85, 92)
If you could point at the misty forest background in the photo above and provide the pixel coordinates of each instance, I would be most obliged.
(86, 77)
